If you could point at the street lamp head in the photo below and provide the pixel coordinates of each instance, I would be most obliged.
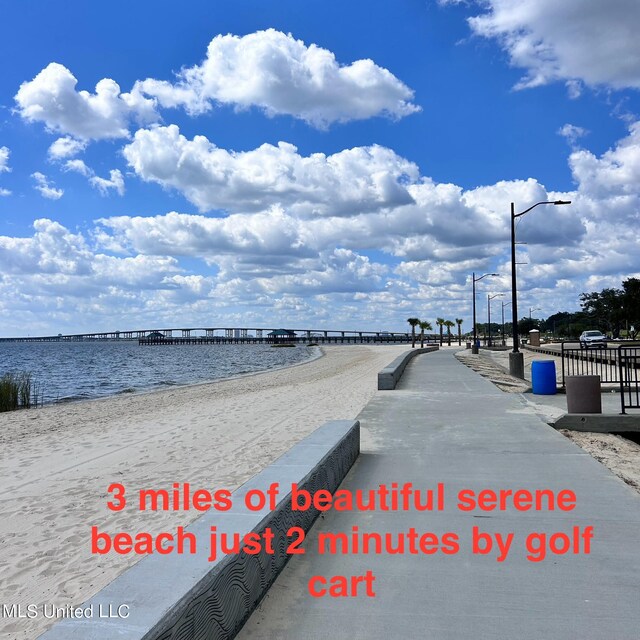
(485, 275)
(515, 215)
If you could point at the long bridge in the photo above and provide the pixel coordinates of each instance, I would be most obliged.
(231, 335)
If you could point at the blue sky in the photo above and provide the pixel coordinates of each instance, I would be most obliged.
(322, 164)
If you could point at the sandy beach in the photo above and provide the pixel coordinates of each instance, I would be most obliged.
(58, 461)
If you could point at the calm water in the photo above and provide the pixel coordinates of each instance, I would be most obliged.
(81, 370)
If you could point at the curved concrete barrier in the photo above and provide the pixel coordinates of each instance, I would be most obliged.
(186, 596)
(389, 376)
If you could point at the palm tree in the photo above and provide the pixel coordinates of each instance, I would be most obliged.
(414, 322)
(448, 324)
(424, 326)
(459, 323)
(440, 323)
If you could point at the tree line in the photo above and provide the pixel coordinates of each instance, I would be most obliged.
(615, 312)
(426, 326)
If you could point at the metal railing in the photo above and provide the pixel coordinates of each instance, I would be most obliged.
(599, 361)
(619, 365)
(628, 366)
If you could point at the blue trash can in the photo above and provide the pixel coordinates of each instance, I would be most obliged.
(543, 377)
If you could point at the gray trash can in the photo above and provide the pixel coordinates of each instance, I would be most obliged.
(583, 394)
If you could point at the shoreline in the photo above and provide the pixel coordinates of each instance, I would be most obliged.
(179, 385)
(59, 460)
(314, 352)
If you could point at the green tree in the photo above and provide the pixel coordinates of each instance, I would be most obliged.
(605, 309)
(448, 324)
(440, 323)
(424, 326)
(459, 323)
(558, 324)
(414, 322)
(631, 304)
(526, 324)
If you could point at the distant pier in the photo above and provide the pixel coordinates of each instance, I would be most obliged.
(232, 335)
(329, 339)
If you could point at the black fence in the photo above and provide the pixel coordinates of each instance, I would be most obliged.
(598, 361)
(619, 365)
(628, 363)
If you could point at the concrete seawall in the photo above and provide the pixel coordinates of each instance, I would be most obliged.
(185, 595)
(389, 376)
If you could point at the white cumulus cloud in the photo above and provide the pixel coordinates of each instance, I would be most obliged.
(114, 182)
(45, 187)
(78, 166)
(52, 249)
(4, 160)
(66, 147)
(4, 168)
(351, 181)
(370, 266)
(576, 41)
(55, 252)
(609, 183)
(271, 237)
(572, 133)
(51, 98)
(282, 75)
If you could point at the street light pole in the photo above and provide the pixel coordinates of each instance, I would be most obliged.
(474, 347)
(516, 359)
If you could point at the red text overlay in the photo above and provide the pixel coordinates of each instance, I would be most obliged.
(535, 545)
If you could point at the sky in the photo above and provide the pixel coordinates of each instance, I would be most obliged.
(317, 164)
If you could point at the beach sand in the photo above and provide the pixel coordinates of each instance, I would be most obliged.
(58, 461)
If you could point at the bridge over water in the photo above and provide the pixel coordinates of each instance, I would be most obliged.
(226, 335)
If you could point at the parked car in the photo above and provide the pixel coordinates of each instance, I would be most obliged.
(592, 339)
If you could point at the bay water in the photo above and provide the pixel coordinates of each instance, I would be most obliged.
(69, 371)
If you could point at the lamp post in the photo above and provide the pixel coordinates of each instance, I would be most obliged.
(532, 310)
(489, 299)
(516, 359)
(474, 347)
(504, 304)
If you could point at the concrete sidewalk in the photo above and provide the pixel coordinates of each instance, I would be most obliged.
(553, 409)
(446, 424)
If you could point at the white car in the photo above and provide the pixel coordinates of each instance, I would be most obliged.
(592, 339)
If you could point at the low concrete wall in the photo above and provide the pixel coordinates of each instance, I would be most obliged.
(188, 597)
(389, 376)
(599, 423)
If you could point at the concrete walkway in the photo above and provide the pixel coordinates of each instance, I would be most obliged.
(446, 424)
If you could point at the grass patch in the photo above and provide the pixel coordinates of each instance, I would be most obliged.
(18, 391)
